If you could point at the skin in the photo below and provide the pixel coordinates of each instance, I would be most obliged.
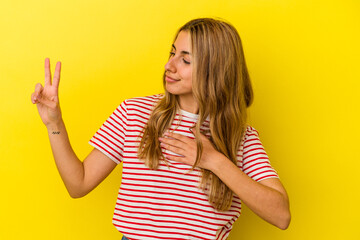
(79, 177)
(267, 198)
(179, 67)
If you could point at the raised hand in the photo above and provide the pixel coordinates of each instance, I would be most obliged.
(46, 98)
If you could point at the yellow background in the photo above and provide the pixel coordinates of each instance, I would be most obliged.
(303, 59)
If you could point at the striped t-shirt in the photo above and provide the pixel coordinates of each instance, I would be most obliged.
(167, 203)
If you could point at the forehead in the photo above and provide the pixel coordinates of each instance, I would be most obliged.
(183, 41)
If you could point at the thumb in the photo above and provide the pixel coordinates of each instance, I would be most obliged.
(203, 136)
(194, 131)
(50, 103)
(55, 99)
(191, 130)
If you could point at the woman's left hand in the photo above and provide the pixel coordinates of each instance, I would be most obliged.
(186, 147)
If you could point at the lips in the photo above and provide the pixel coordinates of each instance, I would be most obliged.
(170, 79)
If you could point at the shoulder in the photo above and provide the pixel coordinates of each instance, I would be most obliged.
(139, 107)
(250, 134)
(141, 103)
(149, 100)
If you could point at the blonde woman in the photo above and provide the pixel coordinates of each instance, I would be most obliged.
(189, 158)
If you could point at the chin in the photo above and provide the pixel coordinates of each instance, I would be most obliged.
(178, 90)
(172, 90)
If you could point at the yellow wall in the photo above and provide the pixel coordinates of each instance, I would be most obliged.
(303, 58)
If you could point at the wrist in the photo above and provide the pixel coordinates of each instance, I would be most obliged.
(217, 165)
(55, 126)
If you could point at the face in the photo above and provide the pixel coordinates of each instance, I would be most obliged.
(178, 69)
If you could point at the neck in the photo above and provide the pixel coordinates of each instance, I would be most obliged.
(188, 104)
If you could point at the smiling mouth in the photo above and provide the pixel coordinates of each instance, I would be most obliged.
(169, 79)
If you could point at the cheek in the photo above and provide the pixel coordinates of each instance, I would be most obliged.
(188, 75)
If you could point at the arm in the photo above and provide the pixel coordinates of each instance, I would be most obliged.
(267, 198)
(79, 177)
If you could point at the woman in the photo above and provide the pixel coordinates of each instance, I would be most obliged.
(188, 155)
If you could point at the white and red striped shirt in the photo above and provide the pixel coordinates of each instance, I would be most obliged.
(167, 203)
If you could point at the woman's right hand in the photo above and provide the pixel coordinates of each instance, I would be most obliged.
(46, 98)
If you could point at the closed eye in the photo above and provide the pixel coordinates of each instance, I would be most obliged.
(186, 62)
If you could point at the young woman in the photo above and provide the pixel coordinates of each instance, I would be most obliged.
(188, 155)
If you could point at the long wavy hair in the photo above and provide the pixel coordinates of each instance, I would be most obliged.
(222, 88)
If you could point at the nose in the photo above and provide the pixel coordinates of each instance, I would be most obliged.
(170, 65)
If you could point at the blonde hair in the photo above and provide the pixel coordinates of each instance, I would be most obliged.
(222, 88)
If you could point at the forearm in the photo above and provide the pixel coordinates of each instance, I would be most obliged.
(267, 199)
(268, 203)
(69, 166)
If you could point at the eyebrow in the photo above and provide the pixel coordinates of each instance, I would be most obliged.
(182, 52)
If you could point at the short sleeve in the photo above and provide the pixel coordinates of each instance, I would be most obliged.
(255, 161)
(110, 138)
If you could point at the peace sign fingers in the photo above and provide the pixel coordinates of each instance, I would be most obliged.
(56, 79)
(47, 72)
(46, 98)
